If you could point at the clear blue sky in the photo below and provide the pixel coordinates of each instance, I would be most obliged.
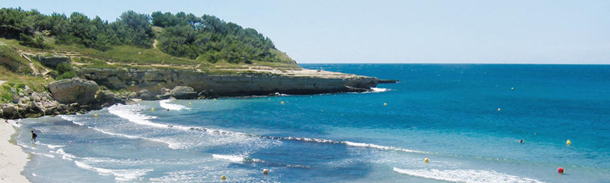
(397, 31)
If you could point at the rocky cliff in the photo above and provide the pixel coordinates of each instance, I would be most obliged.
(67, 96)
(254, 82)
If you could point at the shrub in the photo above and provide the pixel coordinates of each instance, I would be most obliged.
(7, 97)
(64, 67)
(67, 75)
(53, 74)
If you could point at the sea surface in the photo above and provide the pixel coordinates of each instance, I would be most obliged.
(466, 119)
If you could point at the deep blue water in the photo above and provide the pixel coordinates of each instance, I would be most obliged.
(447, 113)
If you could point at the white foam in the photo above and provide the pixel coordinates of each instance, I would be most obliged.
(64, 155)
(348, 143)
(241, 159)
(55, 146)
(254, 160)
(73, 119)
(304, 139)
(16, 124)
(176, 107)
(169, 144)
(43, 154)
(469, 176)
(232, 158)
(52, 146)
(374, 146)
(378, 90)
(119, 174)
(131, 113)
(68, 117)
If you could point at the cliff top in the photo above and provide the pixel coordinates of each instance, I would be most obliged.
(136, 39)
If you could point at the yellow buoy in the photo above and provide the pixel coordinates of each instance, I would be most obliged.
(223, 178)
(426, 160)
(95, 115)
(282, 102)
(152, 109)
(385, 104)
(265, 171)
(512, 88)
(499, 109)
(568, 142)
(190, 103)
(214, 99)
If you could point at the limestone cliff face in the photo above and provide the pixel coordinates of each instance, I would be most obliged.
(253, 83)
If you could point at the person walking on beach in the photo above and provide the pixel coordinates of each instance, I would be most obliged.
(34, 137)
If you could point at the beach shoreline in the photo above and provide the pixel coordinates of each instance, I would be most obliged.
(12, 158)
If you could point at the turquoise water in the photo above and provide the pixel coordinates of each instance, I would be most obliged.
(447, 113)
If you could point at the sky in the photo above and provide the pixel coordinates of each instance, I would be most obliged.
(396, 31)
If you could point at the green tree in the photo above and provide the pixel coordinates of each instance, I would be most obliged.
(134, 29)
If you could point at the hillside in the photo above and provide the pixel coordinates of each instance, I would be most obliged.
(185, 38)
(33, 44)
(55, 64)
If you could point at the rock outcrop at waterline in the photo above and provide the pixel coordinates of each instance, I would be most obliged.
(67, 96)
(70, 96)
(75, 90)
(150, 82)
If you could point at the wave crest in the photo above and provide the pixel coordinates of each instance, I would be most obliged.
(119, 174)
(378, 90)
(469, 176)
(176, 107)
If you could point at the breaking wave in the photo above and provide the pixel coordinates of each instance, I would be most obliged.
(469, 176)
(378, 90)
(131, 113)
(119, 174)
(176, 107)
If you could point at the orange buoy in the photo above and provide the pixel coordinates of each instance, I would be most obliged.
(265, 171)
(426, 160)
(499, 109)
(560, 170)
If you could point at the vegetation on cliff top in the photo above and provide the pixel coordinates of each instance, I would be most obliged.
(163, 38)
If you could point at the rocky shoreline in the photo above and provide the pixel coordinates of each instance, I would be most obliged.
(76, 95)
(68, 96)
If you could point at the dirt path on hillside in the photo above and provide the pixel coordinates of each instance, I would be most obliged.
(34, 70)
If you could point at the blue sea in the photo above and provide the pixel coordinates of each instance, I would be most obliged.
(467, 119)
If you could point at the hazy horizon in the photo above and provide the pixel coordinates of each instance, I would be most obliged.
(515, 32)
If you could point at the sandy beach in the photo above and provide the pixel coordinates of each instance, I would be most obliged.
(12, 158)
